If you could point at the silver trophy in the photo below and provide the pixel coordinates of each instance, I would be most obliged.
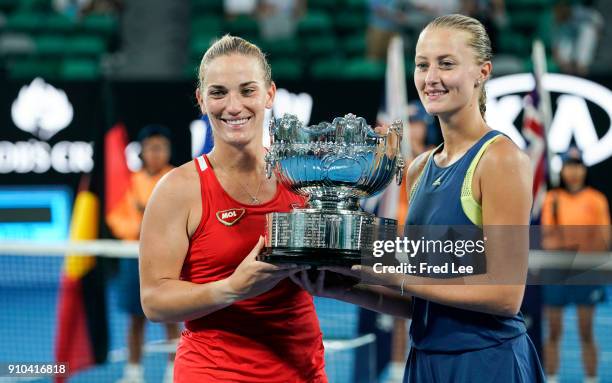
(335, 165)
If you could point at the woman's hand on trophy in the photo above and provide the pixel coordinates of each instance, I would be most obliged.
(323, 283)
(382, 129)
(367, 275)
(253, 277)
(392, 139)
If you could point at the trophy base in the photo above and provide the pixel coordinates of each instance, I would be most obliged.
(310, 256)
(321, 237)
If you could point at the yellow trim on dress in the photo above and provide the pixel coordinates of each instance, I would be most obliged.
(471, 208)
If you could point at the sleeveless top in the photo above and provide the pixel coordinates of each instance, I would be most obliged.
(443, 196)
(274, 337)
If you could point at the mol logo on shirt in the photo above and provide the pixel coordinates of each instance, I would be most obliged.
(230, 216)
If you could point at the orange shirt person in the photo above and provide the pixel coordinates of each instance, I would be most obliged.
(575, 217)
(125, 224)
(574, 205)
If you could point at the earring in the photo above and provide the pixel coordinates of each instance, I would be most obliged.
(477, 83)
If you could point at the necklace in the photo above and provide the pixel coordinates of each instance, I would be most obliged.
(254, 199)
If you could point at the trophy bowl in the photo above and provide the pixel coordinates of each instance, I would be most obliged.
(334, 165)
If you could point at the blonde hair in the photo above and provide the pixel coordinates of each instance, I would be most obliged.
(228, 45)
(479, 41)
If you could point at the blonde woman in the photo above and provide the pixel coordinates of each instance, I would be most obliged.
(245, 321)
(460, 331)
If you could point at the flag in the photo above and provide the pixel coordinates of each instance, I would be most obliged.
(119, 216)
(82, 332)
(533, 131)
(393, 202)
(201, 136)
(536, 125)
(116, 172)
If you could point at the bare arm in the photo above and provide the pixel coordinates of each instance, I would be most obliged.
(163, 247)
(381, 300)
(375, 298)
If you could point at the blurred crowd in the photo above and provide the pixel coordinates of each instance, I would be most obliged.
(80, 8)
(575, 31)
(572, 30)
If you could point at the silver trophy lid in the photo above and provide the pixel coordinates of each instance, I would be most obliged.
(344, 159)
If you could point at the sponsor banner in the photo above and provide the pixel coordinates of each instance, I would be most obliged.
(49, 131)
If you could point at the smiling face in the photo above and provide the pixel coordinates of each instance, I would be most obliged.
(234, 95)
(447, 75)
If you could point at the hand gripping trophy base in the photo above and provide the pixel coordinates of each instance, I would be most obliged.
(318, 237)
(335, 165)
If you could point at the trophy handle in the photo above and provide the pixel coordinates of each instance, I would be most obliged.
(399, 174)
(398, 126)
(270, 161)
(272, 129)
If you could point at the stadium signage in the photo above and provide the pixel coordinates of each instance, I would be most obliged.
(572, 118)
(42, 111)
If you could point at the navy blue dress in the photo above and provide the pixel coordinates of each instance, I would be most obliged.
(450, 344)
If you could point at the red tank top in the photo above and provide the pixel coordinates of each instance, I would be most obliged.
(274, 337)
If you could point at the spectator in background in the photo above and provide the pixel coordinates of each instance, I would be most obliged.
(421, 12)
(584, 212)
(155, 155)
(385, 20)
(278, 19)
(78, 8)
(407, 17)
(103, 7)
(70, 8)
(575, 36)
(235, 8)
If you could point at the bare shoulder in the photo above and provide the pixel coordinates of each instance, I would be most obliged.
(416, 166)
(503, 184)
(178, 187)
(503, 166)
(504, 156)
